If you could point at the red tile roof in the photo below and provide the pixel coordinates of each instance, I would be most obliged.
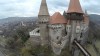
(74, 6)
(57, 18)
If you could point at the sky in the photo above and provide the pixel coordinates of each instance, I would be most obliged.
(30, 8)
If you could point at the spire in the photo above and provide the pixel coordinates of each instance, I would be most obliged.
(43, 8)
(74, 6)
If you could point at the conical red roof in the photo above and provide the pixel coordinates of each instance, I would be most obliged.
(74, 6)
(57, 18)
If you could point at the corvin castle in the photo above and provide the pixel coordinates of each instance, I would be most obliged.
(60, 31)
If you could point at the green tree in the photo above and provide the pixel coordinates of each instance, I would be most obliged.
(23, 34)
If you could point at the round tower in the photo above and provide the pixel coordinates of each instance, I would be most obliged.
(43, 23)
(74, 11)
(75, 16)
(57, 32)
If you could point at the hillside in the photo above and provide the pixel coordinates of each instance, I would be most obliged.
(16, 19)
(15, 34)
(95, 18)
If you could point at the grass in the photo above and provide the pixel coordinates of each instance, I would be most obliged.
(91, 49)
(98, 45)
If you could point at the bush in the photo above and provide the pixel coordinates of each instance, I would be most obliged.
(36, 50)
(23, 34)
(26, 51)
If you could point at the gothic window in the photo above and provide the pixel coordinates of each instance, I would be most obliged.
(38, 31)
(81, 35)
(54, 31)
(57, 37)
(59, 42)
(68, 28)
(77, 29)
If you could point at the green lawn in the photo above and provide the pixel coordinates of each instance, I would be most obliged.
(91, 49)
(98, 45)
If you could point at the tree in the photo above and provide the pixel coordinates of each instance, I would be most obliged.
(23, 34)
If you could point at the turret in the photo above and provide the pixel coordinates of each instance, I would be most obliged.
(57, 32)
(43, 23)
(74, 11)
(86, 18)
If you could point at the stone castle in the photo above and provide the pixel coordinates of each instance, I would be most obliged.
(61, 30)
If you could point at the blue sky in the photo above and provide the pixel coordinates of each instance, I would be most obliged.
(30, 8)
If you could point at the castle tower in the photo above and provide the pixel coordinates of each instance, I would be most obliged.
(74, 11)
(57, 31)
(85, 28)
(75, 15)
(43, 23)
(86, 18)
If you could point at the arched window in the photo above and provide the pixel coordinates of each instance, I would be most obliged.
(57, 37)
(81, 35)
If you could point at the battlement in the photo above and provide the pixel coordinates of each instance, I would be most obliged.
(55, 26)
(35, 32)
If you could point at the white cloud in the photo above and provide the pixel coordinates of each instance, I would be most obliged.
(11, 8)
(19, 8)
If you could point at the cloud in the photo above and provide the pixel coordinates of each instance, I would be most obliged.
(19, 8)
(29, 8)
(92, 6)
